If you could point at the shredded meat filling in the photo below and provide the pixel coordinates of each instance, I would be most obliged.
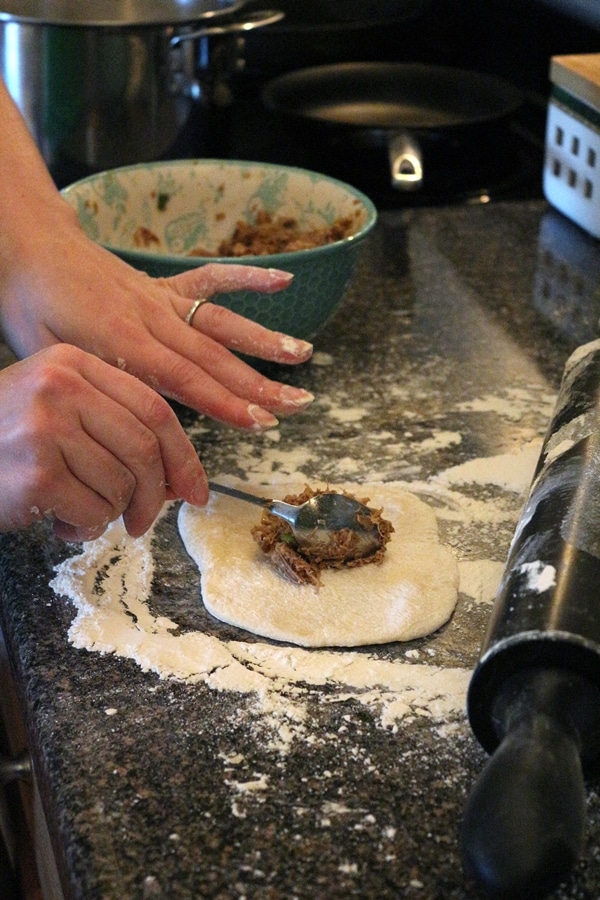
(303, 566)
(281, 235)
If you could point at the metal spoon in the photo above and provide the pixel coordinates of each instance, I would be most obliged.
(314, 521)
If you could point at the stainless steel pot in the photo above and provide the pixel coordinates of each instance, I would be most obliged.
(103, 83)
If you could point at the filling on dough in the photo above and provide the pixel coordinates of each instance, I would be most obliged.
(303, 565)
(411, 594)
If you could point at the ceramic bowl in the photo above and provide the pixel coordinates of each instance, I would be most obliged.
(154, 215)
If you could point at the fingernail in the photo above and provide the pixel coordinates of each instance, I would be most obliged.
(262, 417)
(295, 347)
(199, 492)
(90, 534)
(296, 396)
(279, 275)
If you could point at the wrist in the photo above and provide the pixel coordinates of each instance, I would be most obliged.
(34, 221)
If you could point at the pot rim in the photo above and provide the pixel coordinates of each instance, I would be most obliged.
(113, 13)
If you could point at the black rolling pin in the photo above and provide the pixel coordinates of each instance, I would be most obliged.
(534, 697)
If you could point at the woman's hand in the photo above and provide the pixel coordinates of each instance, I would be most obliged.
(60, 287)
(83, 443)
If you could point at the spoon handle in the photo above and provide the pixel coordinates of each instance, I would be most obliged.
(239, 495)
(286, 511)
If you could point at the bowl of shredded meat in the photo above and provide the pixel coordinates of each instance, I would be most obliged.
(167, 217)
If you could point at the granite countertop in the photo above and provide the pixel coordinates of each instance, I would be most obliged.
(448, 349)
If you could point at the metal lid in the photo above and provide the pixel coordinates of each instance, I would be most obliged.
(113, 13)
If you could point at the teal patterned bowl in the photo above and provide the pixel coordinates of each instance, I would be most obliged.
(153, 215)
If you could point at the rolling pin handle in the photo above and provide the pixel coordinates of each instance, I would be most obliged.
(524, 822)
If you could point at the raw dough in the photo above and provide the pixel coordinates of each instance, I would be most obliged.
(411, 594)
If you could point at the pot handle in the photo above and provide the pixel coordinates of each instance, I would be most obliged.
(406, 162)
(257, 19)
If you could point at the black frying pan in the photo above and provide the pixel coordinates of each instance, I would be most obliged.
(426, 117)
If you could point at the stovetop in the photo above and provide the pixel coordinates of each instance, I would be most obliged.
(514, 40)
(246, 129)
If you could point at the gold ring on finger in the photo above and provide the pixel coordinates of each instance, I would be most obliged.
(194, 309)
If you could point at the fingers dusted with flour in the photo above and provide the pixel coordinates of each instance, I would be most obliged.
(217, 330)
(77, 292)
(83, 444)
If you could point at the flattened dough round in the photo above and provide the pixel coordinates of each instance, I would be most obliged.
(411, 594)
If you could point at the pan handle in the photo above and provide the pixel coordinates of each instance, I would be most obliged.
(406, 162)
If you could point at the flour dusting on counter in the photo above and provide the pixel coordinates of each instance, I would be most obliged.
(516, 403)
(348, 413)
(480, 579)
(116, 619)
(511, 471)
(441, 439)
(110, 583)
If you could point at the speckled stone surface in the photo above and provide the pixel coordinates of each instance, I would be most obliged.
(449, 305)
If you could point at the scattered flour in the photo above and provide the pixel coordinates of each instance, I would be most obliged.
(348, 466)
(440, 440)
(319, 358)
(540, 576)
(274, 464)
(511, 471)
(117, 619)
(515, 403)
(345, 414)
(480, 579)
